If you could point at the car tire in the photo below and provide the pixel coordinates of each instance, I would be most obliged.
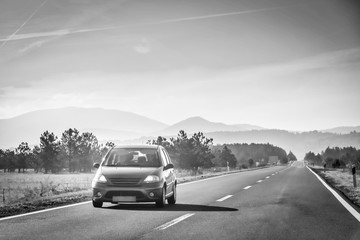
(161, 201)
(97, 204)
(172, 200)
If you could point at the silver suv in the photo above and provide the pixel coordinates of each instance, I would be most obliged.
(142, 173)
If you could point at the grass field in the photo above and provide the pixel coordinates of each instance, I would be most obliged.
(15, 188)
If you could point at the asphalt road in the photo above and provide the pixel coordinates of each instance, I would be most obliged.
(273, 203)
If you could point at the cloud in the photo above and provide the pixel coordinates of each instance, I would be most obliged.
(143, 47)
(34, 45)
(329, 60)
(335, 59)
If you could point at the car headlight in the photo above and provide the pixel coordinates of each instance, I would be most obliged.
(152, 179)
(102, 179)
(99, 178)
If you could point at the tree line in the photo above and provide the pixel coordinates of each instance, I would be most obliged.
(249, 154)
(198, 151)
(74, 151)
(335, 157)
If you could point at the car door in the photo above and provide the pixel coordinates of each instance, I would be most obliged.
(168, 172)
(172, 172)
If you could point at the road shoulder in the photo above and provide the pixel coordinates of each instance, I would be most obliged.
(351, 205)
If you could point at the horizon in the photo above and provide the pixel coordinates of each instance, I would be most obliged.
(276, 64)
(191, 117)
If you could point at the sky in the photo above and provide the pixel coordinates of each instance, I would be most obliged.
(282, 64)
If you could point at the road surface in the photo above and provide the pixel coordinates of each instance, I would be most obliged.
(273, 203)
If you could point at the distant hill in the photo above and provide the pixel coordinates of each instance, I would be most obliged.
(342, 130)
(198, 124)
(106, 123)
(298, 143)
(125, 127)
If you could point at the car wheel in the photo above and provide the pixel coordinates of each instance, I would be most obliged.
(172, 199)
(161, 202)
(97, 204)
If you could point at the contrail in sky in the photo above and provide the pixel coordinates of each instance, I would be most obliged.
(27, 20)
(215, 15)
(68, 32)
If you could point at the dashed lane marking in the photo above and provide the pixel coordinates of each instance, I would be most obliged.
(175, 221)
(268, 177)
(259, 181)
(224, 198)
(247, 187)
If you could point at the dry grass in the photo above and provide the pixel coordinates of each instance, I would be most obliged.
(342, 180)
(16, 188)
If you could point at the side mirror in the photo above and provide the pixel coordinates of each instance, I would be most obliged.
(96, 165)
(170, 165)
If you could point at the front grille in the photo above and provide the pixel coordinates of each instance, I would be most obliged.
(124, 182)
(110, 194)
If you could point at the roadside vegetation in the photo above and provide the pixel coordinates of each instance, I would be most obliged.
(342, 180)
(335, 165)
(76, 152)
(335, 157)
(17, 188)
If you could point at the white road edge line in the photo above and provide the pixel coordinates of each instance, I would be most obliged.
(175, 221)
(338, 197)
(247, 187)
(224, 198)
(259, 181)
(42, 211)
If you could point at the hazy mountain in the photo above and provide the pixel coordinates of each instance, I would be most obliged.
(119, 124)
(198, 124)
(298, 143)
(125, 127)
(342, 130)
(111, 134)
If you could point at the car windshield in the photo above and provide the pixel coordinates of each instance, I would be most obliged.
(135, 157)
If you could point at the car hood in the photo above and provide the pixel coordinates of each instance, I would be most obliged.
(129, 172)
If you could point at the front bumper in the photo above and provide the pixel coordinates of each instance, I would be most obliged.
(105, 193)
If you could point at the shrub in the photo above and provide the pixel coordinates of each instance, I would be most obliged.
(243, 166)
